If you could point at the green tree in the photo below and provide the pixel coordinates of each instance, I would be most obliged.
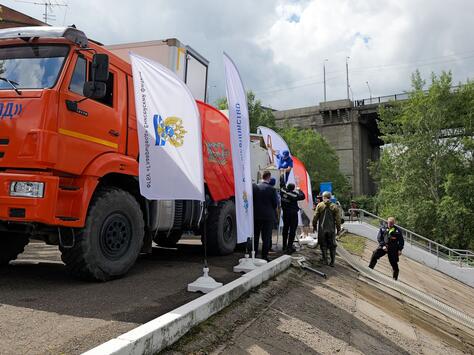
(258, 115)
(319, 158)
(426, 170)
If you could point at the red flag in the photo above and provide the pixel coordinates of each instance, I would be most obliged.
(300, 177)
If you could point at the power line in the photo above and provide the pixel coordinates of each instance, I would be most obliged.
(361, 70)
(357, 70)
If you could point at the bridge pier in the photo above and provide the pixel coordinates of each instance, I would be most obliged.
(351, 131)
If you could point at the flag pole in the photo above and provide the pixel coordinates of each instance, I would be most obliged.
(205, 283)
(204, 231)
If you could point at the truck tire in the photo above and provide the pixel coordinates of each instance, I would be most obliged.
(163, 239)
(221, 229)
(11, 245)
(109, 244)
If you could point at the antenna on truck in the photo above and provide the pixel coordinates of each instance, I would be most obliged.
(48, 6)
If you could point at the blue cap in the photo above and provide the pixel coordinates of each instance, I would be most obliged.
(285, 153)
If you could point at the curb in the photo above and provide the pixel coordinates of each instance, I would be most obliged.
(163, 331)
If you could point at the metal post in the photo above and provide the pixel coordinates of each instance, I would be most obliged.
(204, 230)
(347, 76)
(324, 78)
(370, 92)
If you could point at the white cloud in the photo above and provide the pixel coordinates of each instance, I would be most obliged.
(280, 45)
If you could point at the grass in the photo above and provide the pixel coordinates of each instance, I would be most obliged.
(374, 222)
(353, 243)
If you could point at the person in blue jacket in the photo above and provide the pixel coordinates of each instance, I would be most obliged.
(285, 163)
(391, 242)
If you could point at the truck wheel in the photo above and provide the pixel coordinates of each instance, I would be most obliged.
(109, 244)
(168, 241)
(221, 229)
(10, 246)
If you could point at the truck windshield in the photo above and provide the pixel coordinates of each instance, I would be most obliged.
(31, 66)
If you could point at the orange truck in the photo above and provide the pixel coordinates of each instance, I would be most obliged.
(69, 159)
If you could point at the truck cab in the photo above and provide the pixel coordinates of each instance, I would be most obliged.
(69, 158)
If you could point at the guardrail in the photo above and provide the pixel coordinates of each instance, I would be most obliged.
(381, 99)
(465, 258)
(387, 98)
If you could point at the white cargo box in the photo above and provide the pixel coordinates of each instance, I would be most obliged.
(188, 64)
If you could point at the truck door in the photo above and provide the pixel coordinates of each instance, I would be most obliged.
(196, 75)
(97, 126)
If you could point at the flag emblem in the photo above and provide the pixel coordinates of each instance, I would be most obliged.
(246, 201)
(169, 130)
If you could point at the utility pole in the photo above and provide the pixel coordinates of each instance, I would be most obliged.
(324, 76)
(347, 76)
(370, 92)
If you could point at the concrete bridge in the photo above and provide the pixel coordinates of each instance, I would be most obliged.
(351, 129)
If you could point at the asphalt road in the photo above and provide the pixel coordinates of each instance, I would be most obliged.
(44, 310)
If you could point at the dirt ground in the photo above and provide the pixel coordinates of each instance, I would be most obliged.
(302, 313)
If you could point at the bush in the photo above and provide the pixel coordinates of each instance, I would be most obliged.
(366, 203)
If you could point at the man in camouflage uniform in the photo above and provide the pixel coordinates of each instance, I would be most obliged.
(327, 221)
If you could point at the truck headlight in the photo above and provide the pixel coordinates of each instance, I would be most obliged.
(27, 189)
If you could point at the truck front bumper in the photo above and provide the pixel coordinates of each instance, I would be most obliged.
(28, 209)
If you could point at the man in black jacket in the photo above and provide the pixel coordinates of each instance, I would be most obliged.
(391, 242)
(289, 206)
(265, 203)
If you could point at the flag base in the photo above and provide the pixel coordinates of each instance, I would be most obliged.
(245, 265)
(204, 284)
(258, 262)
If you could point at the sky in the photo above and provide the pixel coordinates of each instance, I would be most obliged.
(281, 46)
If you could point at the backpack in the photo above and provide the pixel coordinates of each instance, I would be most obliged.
(328, 220)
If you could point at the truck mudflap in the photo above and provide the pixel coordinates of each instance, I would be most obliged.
(28, 209)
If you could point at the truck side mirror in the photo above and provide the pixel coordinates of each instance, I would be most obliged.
(94, 89)
(100, 67)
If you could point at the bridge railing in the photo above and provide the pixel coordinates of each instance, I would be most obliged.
(387, 98)
(465, 258)
(381, 99)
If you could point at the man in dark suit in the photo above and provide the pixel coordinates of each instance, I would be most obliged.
(265, 202)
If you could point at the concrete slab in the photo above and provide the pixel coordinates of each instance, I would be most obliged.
(464, 274)
(383, 317)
